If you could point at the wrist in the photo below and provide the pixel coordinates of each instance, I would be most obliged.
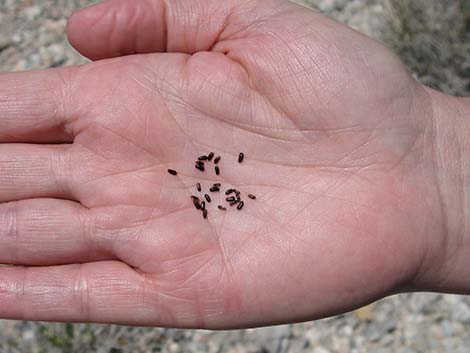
(446, 267)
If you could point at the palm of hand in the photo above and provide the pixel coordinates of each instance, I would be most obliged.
(330, 147)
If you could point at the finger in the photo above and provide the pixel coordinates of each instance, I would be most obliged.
(120, 27)
(33, 171)
(43, 232)
(34, 106)
(92, 292)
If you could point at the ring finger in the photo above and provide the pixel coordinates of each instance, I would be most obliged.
(43, 232)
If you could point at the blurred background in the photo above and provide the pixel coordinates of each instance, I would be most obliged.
(432, 37)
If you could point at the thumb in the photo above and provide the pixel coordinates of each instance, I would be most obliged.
(122, 27)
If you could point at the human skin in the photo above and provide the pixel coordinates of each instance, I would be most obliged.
(360, 172)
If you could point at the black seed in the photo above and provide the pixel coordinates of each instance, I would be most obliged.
(217, 170)
(214, 189)
(229, 191)
(217, 185)
(234, 203)
(198, 187)
(202, 158)
(196, 202)
(217, 159)
(240, 157)
(204, 213)
(222, 208)
(230, 199)
(200, 167)
(240, 205)
(251, 196)
(210, 156)
(172, 171)
(208, 198)
(200, 163)
(203, 205)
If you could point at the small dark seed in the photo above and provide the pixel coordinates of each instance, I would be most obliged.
(217, 185)
(202, 158)
(240, 205)
(200, 167)
(204, 213)
(217, 159)
(208, 198)
(214, 189)
(251, 196)
(234, 203)
(194, 198)
(172, 171)
(222, 208)
(217, 170)
(229, 191)
(197, 204)
(230, 199)
(203, 205)
(210, 156)
(240, 157)
(200, 163)
(198, 187)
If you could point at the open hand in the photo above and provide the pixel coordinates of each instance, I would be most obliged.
(338, 151)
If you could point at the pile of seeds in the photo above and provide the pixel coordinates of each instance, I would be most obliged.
(233, 195)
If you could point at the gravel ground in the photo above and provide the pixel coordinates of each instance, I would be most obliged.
(433, 39)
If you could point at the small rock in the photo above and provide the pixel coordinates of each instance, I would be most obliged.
(173, 347)
(32, 12)
(447, 328)
(271, 338)
(320, 349)
(298, 344)
(326, 5)
(16, 38)
(460, 311)
(5, 42)
(365, 313)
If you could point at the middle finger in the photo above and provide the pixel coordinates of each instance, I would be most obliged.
(34, 171)
(47, 232)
